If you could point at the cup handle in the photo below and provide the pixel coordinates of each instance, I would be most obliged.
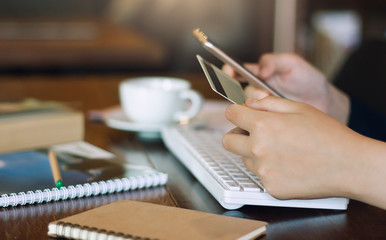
(196, 99)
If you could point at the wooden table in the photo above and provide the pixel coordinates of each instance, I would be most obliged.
(360, 221)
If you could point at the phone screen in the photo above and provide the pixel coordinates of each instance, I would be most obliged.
(222, 83)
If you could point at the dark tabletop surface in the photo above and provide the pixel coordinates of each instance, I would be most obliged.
(87, 92)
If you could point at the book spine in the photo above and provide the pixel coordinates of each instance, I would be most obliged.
(85, 190)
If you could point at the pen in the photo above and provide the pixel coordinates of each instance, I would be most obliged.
(55, 169)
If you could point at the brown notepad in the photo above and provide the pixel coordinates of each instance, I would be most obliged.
(139, 220)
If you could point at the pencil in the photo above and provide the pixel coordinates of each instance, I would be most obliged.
(55, 169)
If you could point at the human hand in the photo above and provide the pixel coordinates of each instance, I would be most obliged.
(298, 80)
(296, 150)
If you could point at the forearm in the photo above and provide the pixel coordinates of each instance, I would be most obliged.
(367, 181)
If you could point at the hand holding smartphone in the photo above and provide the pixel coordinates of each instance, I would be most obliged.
(221, 55)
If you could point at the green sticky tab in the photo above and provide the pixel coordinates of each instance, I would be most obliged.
(59, 184)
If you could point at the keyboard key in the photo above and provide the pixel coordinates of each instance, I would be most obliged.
(251, 188)
(232, 185)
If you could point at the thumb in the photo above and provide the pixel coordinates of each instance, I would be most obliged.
(273, 104)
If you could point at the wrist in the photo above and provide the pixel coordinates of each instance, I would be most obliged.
(369, 177)
(347, 179)
(361, 171)
(338, 105)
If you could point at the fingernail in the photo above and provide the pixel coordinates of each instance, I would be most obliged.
(251, 101)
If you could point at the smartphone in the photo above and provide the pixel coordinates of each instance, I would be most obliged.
(222, 83)
(238, 67)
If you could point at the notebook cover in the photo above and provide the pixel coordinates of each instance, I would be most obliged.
(148, 220)
(29, 171)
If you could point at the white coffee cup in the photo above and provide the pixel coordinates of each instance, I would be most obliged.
(159, 100)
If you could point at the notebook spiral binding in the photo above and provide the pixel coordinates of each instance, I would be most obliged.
(76, 231)
(85, 190)
(73, 206)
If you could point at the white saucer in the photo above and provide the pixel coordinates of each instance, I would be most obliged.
(211, 114)
(117, 119)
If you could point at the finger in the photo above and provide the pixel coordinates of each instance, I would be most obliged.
(267, 63)
(229, 70)
(236, 141)
(243, 116)
(249, 163)
(252, 67)
(255, 93)
(274, 104)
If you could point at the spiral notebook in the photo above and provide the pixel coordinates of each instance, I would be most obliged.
(26, 178)
(140, 220)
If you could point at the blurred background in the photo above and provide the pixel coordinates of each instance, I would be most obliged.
(91, 36)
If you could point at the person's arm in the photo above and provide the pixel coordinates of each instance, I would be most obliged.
(300, 152)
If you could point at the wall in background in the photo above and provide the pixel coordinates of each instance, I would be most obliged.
(243, 28)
